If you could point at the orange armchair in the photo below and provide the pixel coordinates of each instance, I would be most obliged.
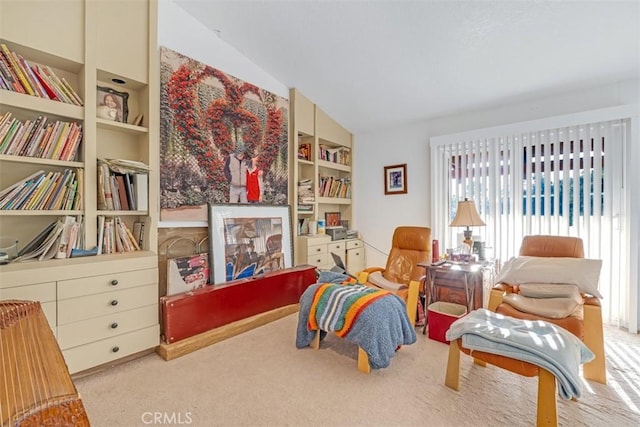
(589, 329)
(409, 246)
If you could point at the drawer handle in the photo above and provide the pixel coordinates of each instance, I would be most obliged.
(114, 302)
(115, 349)
(114, 282)
(318, 249)
(114, 325)
(318, 261)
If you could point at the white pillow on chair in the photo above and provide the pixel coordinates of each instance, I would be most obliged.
(582, 272)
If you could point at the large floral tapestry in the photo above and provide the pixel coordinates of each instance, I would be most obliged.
(222, 140)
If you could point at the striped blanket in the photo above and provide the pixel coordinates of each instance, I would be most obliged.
(375, 320)
(336, 308)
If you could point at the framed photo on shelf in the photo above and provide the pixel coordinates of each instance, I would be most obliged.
(395, 179)
(112, 104)
(332, 219)
(248, 240)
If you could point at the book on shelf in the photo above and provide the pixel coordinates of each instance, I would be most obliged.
(40, 247)
(8, 193)
(115, 236)
(17, 69)
(123, 190)
(138, 232)
(141, 190)
(304, 151)
(37, 241)
(10, 76)
(67, 238)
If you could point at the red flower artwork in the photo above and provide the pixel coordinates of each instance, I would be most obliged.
(206, 114)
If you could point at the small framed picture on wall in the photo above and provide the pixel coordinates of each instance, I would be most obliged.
(395, 179)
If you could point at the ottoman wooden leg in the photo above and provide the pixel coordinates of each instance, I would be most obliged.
(547, 402)
(315, 344)
(363, 361)
(452, 379)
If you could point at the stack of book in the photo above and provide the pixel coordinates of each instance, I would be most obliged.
(56, 240)
(115, 236)
(122, 188)
(331, 186)
(306, 198)
(340, 155)
(45, 191)
(56, 140)
(18, 75)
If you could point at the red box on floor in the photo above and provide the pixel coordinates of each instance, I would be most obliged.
(440, 316)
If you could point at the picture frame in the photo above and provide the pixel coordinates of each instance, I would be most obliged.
(332, 219)
(248, 240)
(395, 179)
(112, 104)
(188, 273)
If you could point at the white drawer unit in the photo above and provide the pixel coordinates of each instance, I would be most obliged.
(101, 308)
(317, 250)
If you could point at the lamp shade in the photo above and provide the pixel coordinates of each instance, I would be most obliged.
(466, 215)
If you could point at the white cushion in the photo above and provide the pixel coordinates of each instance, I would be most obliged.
(582, 272)
(377, 279)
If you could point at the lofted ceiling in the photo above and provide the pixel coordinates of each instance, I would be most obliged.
(377, 64)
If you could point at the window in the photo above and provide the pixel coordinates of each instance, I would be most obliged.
(561, 181)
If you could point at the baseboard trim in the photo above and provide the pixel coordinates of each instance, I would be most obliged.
(205, 339)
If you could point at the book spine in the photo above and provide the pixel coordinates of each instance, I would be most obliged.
(71, 144)
(6, 65)
(33, 81)
(57, 149)
(46, 86)
(14, 132)
(18, 70)
(43, 148)
(72, 92)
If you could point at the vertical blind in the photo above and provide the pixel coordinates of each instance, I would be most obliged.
(566, 181)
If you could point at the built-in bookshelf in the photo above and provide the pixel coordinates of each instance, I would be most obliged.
(53, 132)
(322, 165)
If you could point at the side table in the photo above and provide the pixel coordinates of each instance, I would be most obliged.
(460, 283)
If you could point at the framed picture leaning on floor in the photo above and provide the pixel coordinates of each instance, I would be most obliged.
(246, 240)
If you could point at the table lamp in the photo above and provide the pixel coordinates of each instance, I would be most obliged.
(467, 216)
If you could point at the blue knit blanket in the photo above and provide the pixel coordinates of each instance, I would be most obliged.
(540, 343)
(379, 329)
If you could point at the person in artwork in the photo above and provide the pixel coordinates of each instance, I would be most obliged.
(254, 182)
(235, 170)
(110, 108)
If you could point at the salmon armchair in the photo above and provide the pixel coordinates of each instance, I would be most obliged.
(409, 246)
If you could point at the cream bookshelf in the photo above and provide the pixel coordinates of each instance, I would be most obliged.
(313, 127)
(88, 51)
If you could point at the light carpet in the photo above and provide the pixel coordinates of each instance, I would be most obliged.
(259, 378)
